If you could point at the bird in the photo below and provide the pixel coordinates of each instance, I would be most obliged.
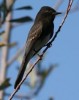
(39, 35)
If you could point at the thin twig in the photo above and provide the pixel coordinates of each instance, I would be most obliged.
(19, 96)
(15, 56)
(48, 46)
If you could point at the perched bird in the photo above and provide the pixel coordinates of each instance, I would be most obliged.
(39, 35)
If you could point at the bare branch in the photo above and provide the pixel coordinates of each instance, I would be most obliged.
(15, 56)
(4, 54)
(19, 96)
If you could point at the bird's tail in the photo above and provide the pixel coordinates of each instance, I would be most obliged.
(26, 59)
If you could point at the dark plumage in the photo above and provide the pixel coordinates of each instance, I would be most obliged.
(39, 35)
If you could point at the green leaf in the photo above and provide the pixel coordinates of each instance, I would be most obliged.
(22, 20)
(5, 84)
(24, 8)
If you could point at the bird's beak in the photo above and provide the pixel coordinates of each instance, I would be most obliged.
(57, 13)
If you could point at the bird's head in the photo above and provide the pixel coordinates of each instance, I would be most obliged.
(47, 13)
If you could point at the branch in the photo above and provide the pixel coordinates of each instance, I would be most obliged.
(19, 96)
(5, 50)
(15, 56)
(4, 54)
(48, 46)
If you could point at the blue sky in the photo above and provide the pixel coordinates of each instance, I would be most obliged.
(63, 83)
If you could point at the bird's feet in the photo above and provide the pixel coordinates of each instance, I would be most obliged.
(49, 44)
(40, 56)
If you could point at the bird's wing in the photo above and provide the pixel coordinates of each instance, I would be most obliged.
(35, 31)
(32, 38)
(34, 34)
